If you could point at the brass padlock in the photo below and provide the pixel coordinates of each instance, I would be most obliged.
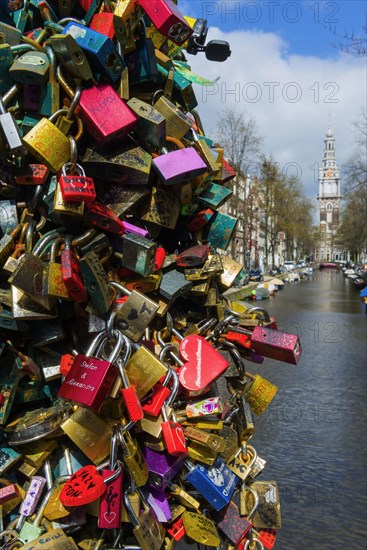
(53, 284)
(48, 144)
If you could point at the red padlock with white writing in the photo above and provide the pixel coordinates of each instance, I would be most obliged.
(168, 19)
(203, 363)
(76, 186)
(90, 378)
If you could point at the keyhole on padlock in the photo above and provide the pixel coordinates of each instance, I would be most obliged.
(110, 60)
(92, 287)
(78, 59)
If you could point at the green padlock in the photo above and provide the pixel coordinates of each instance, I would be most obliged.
(30, 68)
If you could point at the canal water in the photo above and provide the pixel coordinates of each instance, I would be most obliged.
(314, 434)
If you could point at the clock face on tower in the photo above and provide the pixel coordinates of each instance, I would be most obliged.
(330, 173)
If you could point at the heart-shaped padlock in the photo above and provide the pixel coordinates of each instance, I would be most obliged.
(84, 486)
(204, 363)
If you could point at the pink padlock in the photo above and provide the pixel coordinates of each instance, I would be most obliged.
(179, 166)
(106, 116)
(89, 380)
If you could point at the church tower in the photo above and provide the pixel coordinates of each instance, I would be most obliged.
(329, 202)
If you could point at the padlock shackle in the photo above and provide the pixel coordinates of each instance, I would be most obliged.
(256, 309)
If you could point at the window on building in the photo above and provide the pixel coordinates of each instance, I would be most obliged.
(329, 206)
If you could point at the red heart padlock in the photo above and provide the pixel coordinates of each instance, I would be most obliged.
(204, 363)
(85, 486)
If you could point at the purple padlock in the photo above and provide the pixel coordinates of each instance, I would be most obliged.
(158, 503)
(162, 467)
(32, 97)
(130, 228)
(179, 166)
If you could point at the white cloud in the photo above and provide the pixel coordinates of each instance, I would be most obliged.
(306, 92)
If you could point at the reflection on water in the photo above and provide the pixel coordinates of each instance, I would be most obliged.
(314, 434)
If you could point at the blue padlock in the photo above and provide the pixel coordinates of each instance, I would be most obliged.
(215, 483)
(99, 50)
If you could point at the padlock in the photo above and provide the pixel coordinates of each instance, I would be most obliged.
(71, 56)
(167, 18)
(51, 96)
(206, 154)
(197, 352)
(126, 16)
(212, 441)
(90, 433)
(71, 273)
(53, 282)
(234, 526)
(128, 392)
(95, 281)
(9, 129)
(193, 256)
(144, 370)
(276, 344)
(148, 531)
(103, 23)
(200, 529)
(199, 220)
(32, 174)
(106, 116)
(124, 164)
(135, 314)
(173, 434)
(154, 401)
(133, 457)
(177, 123)
(159, 504)
(101, 216)
(174, 284)
(7, 244)
(214, 196)
(183, 497)
(178, 166)
(267, 514)
(151, 125)
(100, 51)
(259, 393)
(90, 378)
(76, 187)
(66, 208)
(212, 266)
(215, 483)
(141, 63)
(30, 68)
(136, 253)
(48, 144)
(162, 208)
(162, 467)
(242, 461)
(110, 506)
(220, 229)
(28, 275)
(231, 270)
(244, 420)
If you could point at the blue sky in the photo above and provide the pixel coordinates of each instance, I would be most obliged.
(306, 25)
(286, 74)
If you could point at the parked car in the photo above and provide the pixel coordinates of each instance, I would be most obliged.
(289, 265)
(256, 275)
